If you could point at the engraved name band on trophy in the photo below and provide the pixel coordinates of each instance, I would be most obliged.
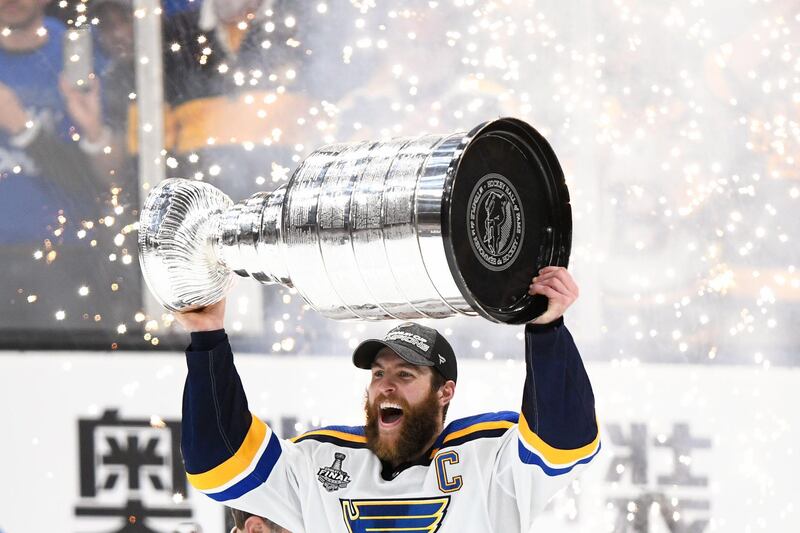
(425, 227)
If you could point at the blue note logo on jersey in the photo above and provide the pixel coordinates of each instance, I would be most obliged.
(420, 515)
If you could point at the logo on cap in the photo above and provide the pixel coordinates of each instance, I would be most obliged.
(408, 338)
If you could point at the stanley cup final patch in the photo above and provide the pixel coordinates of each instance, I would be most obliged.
(333, 477)
(495, 222)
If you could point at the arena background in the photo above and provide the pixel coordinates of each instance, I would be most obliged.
(676, 125)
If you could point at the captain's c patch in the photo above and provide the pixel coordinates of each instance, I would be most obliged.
(418, 514)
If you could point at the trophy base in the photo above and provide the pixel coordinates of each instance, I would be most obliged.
(509, 216)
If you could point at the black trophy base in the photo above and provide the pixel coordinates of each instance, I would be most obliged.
(508, 215)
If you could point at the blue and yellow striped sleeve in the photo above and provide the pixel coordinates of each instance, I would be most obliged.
(557, 424)
(230, 454)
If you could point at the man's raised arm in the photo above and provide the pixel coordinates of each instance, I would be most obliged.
(557, 430)
(229, 454)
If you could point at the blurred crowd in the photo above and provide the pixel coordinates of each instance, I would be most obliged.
(67, 187)
(250, 87)
(238, 106)
(681, 170)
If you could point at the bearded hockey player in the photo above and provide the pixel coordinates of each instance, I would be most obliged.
(404, 470)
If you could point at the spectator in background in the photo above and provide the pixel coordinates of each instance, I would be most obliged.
(230, 79)
(39, 121)
(115, 36)
(252, 87)
(244, 108)
(248, 523)
(52, 189)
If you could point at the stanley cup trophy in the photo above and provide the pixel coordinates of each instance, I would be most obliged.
(425, 227)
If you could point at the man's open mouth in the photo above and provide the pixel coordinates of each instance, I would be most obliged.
(391, 413)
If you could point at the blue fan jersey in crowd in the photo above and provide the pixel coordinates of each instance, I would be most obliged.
(30, 202)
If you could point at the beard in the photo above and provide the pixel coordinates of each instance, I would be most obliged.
(417, 428)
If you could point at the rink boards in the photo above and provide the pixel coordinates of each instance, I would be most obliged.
(93, 440)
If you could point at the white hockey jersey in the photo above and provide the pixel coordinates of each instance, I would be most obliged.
(488, 473)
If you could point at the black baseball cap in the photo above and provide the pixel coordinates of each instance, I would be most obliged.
(419, 345)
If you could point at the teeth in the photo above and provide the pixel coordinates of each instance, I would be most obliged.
(390, 405)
